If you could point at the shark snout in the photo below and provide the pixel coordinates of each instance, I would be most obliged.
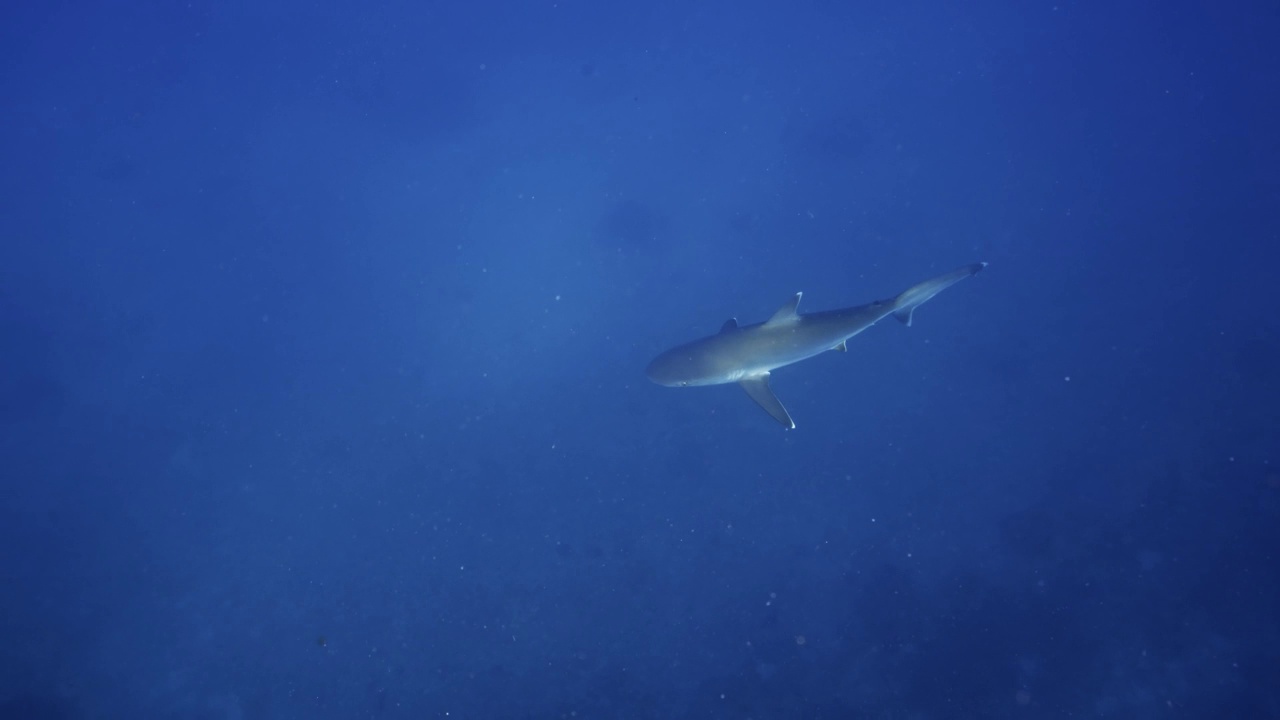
(670, 370)
(659, 372)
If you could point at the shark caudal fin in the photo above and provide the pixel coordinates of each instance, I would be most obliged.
(916, 295)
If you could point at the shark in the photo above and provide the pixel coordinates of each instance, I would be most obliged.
(748, 354)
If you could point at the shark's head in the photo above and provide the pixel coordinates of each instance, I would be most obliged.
(684, 367)
(664, 370)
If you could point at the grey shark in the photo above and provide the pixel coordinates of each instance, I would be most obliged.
(747, 354)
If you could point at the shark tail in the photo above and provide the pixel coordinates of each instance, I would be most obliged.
(916, 295)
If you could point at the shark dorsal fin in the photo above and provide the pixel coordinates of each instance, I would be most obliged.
(729, 325)
(786, 313)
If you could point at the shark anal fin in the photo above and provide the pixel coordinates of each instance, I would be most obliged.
(842, 347)
(729, 325)
(786, 313)
(758, 388)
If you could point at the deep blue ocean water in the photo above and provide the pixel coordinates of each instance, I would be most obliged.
(323, 330)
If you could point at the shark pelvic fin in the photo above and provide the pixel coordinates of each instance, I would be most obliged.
(842, 347)
(786, 313)
(729, 325)
(758, 388)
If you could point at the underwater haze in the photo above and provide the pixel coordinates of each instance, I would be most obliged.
(324, 327)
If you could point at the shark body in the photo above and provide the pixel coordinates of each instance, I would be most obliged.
(747, 354)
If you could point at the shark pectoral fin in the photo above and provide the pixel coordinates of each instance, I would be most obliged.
(758, 388)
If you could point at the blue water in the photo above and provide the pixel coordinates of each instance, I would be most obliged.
(323, 328)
